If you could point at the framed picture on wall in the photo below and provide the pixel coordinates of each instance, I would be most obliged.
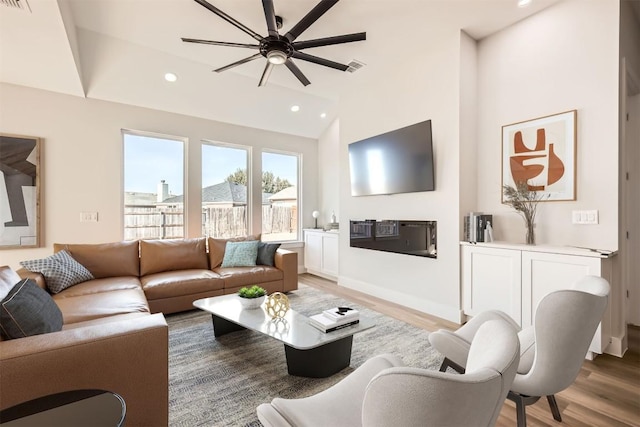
(19, 191)
(542, 153)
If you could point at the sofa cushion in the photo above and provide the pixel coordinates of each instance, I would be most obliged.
(95, 286)
(103, 304)
(240, 254)
(28, 310)
(185, 282)
(8, 279)
(106, 259)
(243, 276)
(172, 254)
(60, 270)
(217, 247)
(267, 253)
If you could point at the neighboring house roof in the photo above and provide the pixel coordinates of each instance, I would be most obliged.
(224, 192)
(289, 193)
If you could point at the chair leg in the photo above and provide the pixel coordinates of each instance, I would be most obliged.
(446, 363)
(554, 407)
(522, 402)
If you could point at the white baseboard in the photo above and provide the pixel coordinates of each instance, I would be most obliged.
(617, 347)
(453, 314)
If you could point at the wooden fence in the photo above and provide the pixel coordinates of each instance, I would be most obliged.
(149, 222)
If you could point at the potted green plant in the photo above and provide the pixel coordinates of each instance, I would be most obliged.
(252, 297)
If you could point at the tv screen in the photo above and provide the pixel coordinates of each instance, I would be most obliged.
(400, 161)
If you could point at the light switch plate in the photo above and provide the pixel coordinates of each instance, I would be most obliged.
(88, 216)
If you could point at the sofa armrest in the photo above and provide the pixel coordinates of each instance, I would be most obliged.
(287, 261)
(128, 357)
(36, 277)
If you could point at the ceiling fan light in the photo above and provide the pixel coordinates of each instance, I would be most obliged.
(276, 57)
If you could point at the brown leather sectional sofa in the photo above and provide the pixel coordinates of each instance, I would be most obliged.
(110, 339)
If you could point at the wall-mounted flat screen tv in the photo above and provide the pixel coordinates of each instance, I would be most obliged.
(400, 161)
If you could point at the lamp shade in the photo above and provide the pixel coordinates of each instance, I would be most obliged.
(315, 214)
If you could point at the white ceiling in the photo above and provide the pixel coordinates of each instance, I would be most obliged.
(119, 50)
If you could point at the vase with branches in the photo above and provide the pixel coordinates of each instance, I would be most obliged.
(525, 202)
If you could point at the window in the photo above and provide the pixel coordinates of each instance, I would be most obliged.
(225, 190)
(279, 196)
(153, 186)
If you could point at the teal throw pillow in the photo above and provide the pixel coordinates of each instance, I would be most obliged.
(267, 253)
(240, 254)
(60, 271)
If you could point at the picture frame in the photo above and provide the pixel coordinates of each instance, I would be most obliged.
(542, 153)
(20, 203)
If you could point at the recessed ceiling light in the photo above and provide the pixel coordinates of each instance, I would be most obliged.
(295, 108)
(170, 77)
(323, 115)
(523, 3)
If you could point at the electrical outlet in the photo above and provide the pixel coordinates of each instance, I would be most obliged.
(88, 216)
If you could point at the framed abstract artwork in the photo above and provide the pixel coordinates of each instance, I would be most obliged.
(19, 191)
(542, 153)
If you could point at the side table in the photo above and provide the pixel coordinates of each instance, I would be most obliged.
(96, 408)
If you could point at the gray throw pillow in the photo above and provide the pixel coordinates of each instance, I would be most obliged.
(28, 310)
(60, 271)
(267, 253)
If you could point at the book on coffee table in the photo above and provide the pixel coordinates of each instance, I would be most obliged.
(326, 324)
(342, 313)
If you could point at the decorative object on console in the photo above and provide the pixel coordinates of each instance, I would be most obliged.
(548, 165)
(315, 215)
(20, 165)
(525, 202)
(252, 297)
(277, 305)
(279, 49)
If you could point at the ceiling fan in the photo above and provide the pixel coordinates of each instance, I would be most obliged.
(280, 49)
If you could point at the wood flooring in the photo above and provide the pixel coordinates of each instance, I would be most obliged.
(606, 392)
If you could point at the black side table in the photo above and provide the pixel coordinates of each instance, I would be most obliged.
(81, 408)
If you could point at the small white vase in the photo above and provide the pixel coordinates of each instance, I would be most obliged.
(251, 303)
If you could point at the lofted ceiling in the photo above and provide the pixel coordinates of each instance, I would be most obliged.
(119, 50)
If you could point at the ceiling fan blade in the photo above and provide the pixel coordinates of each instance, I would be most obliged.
(296, 71)
(265, 74)
(270, 16)
(320, 61)
(235, 64)
(311, 17)
(229, 19)
(326, 41)
(249, 46)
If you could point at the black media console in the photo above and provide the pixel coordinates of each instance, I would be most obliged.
(404, 237)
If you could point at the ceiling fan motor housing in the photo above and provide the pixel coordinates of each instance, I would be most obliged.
(279, 44)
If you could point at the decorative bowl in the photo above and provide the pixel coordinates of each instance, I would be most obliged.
(252, 303)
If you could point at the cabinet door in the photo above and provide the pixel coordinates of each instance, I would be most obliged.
(543, 273)
(330, 255)
(313, 251)
(491, 281)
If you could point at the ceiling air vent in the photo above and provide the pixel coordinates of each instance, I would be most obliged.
(16, 4)
(354, 65)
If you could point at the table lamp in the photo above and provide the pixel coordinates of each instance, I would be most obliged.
(315, 215)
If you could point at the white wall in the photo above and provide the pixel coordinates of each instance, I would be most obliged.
(563, 58)
(329, 179)
(82, 161)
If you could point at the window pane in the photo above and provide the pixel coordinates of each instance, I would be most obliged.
(153, 188)
(224, 192)
(279, 197)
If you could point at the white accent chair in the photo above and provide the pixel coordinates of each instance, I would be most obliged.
(382, 392)
(552, 350)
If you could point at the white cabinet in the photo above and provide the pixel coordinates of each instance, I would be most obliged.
(515, 278)
(321, 253)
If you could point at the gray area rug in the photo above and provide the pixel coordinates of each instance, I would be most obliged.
(220, 382)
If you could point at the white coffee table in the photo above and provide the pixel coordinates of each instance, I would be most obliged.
(309, 352)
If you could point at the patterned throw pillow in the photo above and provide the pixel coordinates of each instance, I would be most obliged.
(60, 271)
(266, 253)
(240, 254)
(28, 310)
